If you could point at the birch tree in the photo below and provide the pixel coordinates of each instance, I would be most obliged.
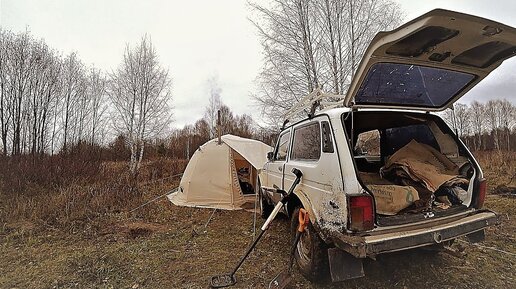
(506, 120)
(491, 113)
(5, 115)
(74, 89)
(478, 123)
(47, 102)
(309, 44)
(20, 62)
(459, 118)
(215, 102)
(96, 92)
(140, 93)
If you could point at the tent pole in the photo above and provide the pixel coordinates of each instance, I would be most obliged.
(218, 126)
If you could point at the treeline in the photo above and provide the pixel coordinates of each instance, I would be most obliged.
(485, 126)
(183, 142)
(50, 103)
(47, 101)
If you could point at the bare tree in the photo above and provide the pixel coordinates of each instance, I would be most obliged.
(20, 61)
(291, 44)
(312, 44)
(74, 90)
(459, 118)
(210, 113)
(202, 129)
(227, 120)
(478, 122)
(491, 112)
(506, 120)
(244, 126)
(140, 91)
(46, 102)
(5, 115)
(96, 93)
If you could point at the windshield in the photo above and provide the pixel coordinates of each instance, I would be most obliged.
(410, 85)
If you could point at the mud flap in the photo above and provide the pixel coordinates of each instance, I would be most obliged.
(344, 266)
(476, 237)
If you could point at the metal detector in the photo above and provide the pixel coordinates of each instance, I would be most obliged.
(283, 278)
(226, 280)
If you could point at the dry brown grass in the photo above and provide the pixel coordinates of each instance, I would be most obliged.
(71, 193)
(87, 239)
(499, 167)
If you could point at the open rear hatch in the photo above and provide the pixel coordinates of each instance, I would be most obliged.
(426, 64)
(413, 166)
(430, 62)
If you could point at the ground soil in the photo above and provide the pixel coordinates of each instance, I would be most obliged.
(176, 247)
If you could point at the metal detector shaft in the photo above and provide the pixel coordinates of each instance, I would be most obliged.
(229, 280)
(271, 217)
(247, 253)
(283, 279)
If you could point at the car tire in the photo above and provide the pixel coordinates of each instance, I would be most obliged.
(265, 207)
(311, 252)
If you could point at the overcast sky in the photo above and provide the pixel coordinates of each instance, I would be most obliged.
(199, 40)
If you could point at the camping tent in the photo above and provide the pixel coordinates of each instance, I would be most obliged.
(221, 175)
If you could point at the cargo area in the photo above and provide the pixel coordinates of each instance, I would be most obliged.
(412, 164)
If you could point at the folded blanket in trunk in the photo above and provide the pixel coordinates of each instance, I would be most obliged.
(423, 164)
(390, 199)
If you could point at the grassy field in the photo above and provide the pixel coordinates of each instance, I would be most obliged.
(163, 246)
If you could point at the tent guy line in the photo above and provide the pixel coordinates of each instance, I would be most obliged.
(153, 200)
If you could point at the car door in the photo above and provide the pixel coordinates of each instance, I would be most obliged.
(276, 166)
(314, 153)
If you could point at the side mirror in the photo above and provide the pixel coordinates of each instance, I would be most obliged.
(270, 156)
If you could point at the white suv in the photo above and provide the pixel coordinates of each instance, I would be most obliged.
(349, 156)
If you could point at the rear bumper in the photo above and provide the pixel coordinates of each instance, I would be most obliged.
(368, 246)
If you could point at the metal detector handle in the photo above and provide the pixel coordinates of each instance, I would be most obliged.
(283, 200)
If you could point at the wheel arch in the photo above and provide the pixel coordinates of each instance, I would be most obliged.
(299, 199)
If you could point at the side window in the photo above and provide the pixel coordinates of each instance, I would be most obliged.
(326, 138)
(307, 143)
(282, 148)
(368, 143)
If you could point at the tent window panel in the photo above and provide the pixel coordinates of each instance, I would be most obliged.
(282, 148)
(307, 143)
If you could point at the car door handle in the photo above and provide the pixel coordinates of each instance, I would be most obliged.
(280, 169)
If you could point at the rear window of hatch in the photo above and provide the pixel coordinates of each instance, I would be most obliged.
(410, 85)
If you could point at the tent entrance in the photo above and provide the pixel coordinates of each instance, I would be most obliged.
(222, 175)
(246, 174)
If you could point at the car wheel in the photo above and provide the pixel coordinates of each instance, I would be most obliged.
(265, 207)
(311, 252)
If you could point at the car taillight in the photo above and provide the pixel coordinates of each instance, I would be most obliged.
(361, 216)
(482, 189)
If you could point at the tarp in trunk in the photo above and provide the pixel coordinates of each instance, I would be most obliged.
(422, 163)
